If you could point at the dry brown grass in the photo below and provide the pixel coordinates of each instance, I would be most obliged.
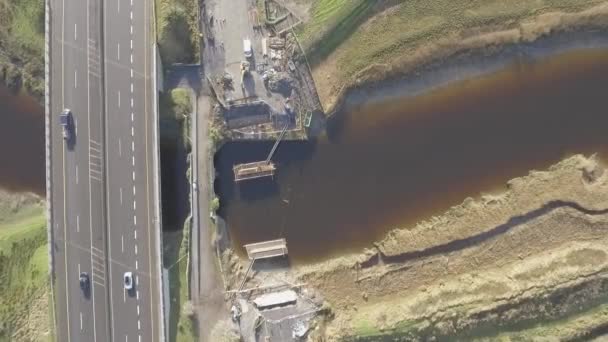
(405, 36)
(504, 279)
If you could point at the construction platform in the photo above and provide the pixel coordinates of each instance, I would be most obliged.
(259, 169)
(253, 170)
(266, 249)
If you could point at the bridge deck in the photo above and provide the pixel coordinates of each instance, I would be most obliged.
(267, 249)
(253, 170)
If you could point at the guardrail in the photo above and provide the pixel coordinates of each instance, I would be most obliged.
(157, 191)
(47, 147)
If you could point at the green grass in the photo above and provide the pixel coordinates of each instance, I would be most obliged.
(22, 45)
(177, 30)
(181, 326)
(23, 267)
(343, 37)
(333, 21)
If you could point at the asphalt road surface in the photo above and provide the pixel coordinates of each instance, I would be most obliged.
(101, 205)
(129, 128)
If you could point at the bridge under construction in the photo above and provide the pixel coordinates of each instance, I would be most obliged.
(259, 169)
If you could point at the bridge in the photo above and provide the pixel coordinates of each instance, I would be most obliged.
(259, 169)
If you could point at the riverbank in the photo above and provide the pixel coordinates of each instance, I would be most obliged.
(481, 46)
(483, 267)
(24, 292)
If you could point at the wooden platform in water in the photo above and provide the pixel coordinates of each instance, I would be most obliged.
(266, 249)
(253, 170)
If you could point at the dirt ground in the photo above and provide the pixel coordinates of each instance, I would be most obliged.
(536, 253)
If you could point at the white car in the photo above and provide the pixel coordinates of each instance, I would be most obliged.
(247, 51)
(128, 280)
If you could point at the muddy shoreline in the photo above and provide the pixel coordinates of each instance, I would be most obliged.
(464, 65)
(362, 288)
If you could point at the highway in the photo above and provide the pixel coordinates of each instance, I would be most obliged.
(129, 158)
(101, 206)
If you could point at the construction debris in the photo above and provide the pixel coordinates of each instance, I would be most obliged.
(275, 299)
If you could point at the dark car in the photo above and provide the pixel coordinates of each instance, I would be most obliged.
(67, 124)
(84, 281)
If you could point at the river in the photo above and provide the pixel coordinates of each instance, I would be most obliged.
(392, 164)
(21, 143)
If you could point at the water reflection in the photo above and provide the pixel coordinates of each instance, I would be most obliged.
(390, 165)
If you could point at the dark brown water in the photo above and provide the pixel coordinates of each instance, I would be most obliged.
(22, 164)
(390, 165)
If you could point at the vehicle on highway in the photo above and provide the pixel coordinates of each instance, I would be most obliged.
(67, 124)
(128, 281)
(83, 279)
(247, 48)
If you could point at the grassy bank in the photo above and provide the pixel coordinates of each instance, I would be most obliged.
(22, 45)
(24, 311)
(177, 30)
(181, 324)
(399, 34)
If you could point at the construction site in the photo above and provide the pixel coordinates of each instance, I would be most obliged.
(260, 75)
(407, 219)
